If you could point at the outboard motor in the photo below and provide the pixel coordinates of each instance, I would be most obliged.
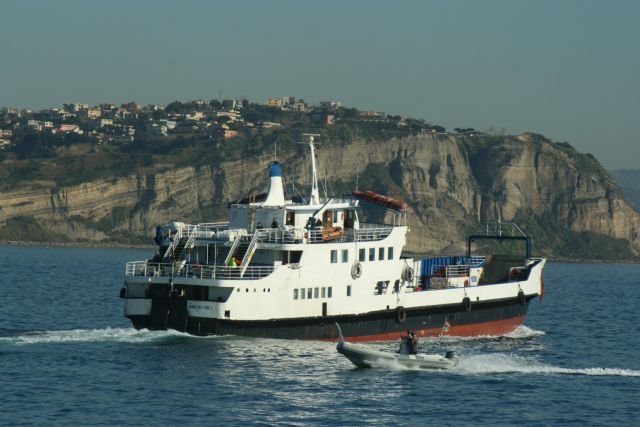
(451, 355)
(404, 346)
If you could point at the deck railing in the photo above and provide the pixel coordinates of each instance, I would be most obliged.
(367, 233)
(373, 232)
(196, 271)
(199, 231)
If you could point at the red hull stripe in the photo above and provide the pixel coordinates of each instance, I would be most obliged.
(495, 328)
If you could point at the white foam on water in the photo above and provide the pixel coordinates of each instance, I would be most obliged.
(498, 363)
(129, 335)
(523, 331)
(502, 363)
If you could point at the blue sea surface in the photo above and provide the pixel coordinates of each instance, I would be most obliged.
(69, 357)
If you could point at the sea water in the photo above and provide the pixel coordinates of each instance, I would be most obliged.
(69, 357)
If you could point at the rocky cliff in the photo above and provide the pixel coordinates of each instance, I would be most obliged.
(452, 185)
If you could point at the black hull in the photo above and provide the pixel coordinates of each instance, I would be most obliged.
(480, 318)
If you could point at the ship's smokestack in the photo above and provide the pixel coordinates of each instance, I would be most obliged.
(276, 192)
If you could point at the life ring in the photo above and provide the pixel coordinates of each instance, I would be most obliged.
(356, 270)
(407, 274)
(401, 315)
(123, 292)
(522, 299)
(466, 302)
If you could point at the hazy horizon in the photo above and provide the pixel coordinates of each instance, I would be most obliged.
(567, 70)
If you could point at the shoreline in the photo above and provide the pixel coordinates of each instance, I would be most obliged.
(150, 247)
(73, 244)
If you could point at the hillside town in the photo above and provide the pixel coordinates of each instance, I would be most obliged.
(220, 120)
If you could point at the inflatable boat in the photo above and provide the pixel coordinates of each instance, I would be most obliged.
(365, 357)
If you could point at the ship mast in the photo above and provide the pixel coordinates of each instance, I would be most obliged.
(315, 195)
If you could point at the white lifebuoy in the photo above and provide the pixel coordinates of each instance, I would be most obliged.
(407, 274)
(356, 270)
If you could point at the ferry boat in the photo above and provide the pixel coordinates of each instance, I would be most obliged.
(293, 269)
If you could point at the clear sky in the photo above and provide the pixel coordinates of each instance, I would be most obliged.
(569, 69)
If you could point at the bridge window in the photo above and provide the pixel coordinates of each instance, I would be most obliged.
(329, 289)
(381, 254)
(390, 252)
(323, 292)
(316, 293)
(345, 255)
(334, 256)
(348, 290)
(295, 293)
(302, 293)
(309, 293)
(362, 255)
(372, 254)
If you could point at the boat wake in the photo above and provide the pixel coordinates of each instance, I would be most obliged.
(521, 333)
(508, 363)
(125, 335)
(525, 332)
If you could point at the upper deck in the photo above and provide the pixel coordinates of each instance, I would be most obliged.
(231, 242)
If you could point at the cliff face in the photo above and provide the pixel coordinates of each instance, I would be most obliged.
(451, 185)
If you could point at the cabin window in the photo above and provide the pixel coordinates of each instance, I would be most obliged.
(316, 293)
(302, 293)
(334, 256)
(295, 293)
(348, 219)
(329, 292)
(323, 292)
(390, 252)
(381, 287)
(348, 290)
(294, 256)
(372, 254)
(381, 254)
(345, 255)
(309, 293)
(362, 256)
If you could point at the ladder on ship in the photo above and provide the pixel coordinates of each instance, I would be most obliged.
(242, 250)
(179, 248)
(238, 249)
